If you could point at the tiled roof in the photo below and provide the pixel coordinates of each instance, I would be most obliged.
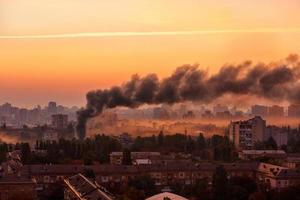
(256, 152)
(134, 169)
(85, 189)
(277, 171)
(16, 180)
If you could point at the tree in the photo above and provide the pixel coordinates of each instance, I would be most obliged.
(88, 158)
(25, 153)
(200, 189)
(126, 159)
(220, 183)
(145, 184)
(200, 142)
(3, 126)
(160, 138)
(271, 143)
(257, 196)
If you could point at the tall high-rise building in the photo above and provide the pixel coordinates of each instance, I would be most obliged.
(294, 110)
(280, 135)
(59, 121)
(276, 111)
(52, 107)
(220, 108)
(259, 110)
(244, 134)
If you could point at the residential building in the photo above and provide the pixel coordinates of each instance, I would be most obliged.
(253, 154)
(50, 135)
(220, 108)
(294, 110)
(189, 115)
(52, 107)
(280, 135)
(244, 134)
(166, 174)
(60, 121)
(276, 111)
(293, 161)
(278, 177)
(17, 187)
(117, 157)
(78, 187)
(259, 110)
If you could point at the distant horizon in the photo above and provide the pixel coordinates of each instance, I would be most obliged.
(61, 49)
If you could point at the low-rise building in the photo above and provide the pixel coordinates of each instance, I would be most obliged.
(117, 157)
(278, 177)
(17, 188)
(78, 187)
(253, 154)
(293, 161)
(165, 175)
(50, 135)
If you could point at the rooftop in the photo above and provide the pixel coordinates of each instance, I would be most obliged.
(166, 196)
(85, 189)
(255, 152)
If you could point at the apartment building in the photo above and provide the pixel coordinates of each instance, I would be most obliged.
(244, 134)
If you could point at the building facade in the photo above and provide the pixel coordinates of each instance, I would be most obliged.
(294, 110)
(244, 134)
(60, 121)
(117, 157)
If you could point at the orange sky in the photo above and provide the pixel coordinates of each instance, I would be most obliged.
(34, 71)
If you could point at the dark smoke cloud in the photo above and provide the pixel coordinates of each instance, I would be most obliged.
(189, 83)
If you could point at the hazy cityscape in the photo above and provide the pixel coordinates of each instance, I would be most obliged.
(149, 100)
(179, 151)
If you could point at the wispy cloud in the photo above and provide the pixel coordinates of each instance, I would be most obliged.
(149, 33)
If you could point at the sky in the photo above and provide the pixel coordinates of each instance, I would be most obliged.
(60, 49)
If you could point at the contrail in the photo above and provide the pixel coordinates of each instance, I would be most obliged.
(149, 33)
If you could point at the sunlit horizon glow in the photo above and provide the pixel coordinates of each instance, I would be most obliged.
(60, 49)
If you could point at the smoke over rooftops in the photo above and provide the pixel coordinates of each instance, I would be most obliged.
(190, 83)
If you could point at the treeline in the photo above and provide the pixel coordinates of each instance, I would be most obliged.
(99, 147)
(4, 148)
(215, 148)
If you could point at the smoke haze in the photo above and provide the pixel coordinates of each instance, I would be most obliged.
(275, 81)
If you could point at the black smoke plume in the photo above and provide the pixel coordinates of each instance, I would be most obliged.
(275, 81)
